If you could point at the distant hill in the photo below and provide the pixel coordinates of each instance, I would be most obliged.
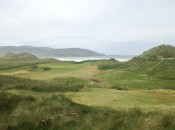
(12, 60)
(21, 56)
(49, 52)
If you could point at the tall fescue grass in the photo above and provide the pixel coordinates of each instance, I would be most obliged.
(58, 84)
(9, 101)
(59, 113)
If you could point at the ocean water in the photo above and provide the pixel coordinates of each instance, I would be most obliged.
(79, 59)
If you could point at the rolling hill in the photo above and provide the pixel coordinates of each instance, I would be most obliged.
(22, 56)
(20, 60)
(49, 52)
(162, 51)
(157, 62)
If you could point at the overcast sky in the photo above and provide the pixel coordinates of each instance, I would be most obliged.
(107, 26)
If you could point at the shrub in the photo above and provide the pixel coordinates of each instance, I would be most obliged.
(46, 68)
(112, 64)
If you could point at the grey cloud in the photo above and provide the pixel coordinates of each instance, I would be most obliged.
(90, 24)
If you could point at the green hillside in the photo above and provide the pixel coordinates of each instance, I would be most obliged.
(21, 56)
(164, 69)
(20, 60)
(162, 51)
(157, 62)
(49, 52)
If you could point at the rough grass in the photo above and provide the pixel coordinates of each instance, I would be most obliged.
(162, 100)
(58, 112)
(58, 84)
(127, 80)
(9, 101)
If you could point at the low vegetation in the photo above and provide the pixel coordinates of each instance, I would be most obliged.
(9, 101)
(46, 68)
(58, 112)
(58, 84)
(111, 64)
(11, 61)
(43, 94)
(158, 62)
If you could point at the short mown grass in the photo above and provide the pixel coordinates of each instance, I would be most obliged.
(161, 100)
(56, 69)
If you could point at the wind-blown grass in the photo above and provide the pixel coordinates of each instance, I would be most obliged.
(58, 112)
(58, 84)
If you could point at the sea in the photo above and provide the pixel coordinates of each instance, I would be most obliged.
(80, 59)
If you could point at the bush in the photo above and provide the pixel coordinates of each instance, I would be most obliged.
(120, 87)
(112, 64)
(46, 68)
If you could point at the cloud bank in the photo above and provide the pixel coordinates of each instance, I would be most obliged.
(107, 26)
